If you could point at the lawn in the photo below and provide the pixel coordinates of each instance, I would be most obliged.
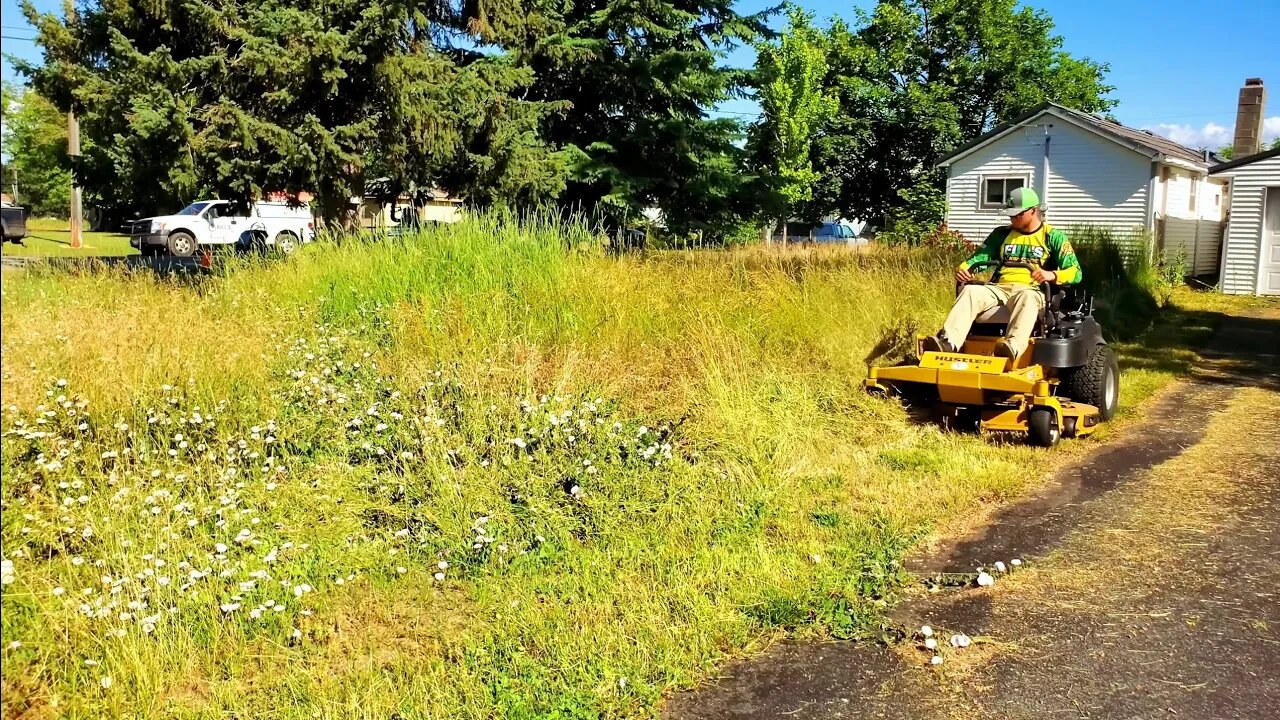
(489, 471)
(50, 237)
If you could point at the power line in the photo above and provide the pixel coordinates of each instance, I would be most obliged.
(12, 37)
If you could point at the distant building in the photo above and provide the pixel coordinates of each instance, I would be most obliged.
(377, 210)
(1091, 171)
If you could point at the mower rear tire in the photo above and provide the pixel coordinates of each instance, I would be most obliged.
(1095, 383)
(1042, 427)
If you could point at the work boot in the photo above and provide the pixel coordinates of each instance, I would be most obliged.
(1005, 350)
(936, 343)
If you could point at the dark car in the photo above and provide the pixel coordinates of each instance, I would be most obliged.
(14, 221)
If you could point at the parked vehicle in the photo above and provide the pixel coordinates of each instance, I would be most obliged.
(13, 220)
(834, 232)
(281, 226)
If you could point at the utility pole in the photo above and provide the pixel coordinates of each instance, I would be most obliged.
(73, 149)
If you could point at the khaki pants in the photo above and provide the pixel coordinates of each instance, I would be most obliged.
(1025, 304)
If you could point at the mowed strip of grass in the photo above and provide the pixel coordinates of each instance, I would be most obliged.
(488, 471)
(50, 238)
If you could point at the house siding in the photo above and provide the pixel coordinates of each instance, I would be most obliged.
(1092, 180)
(1244, 225)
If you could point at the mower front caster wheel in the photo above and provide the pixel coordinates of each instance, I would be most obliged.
(1042, 427)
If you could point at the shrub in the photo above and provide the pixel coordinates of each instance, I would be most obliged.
(1129, 289)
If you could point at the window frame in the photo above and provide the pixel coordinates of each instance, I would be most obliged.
(1003, 178)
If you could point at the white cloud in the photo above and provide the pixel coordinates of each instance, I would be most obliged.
(1211, 135)
(1271, 128)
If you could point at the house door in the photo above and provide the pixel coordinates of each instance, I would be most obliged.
(1269, 271)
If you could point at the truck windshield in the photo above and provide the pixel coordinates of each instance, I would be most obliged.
(193, 208)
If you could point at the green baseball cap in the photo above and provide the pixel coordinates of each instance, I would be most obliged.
(1021, 200)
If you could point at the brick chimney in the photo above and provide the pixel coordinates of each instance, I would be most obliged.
(1253, 103)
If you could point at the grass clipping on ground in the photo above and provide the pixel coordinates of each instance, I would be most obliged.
(488, 471)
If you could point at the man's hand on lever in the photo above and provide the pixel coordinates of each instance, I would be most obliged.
(1043, 276)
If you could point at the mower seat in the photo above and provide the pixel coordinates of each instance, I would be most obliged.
(995, 320)
(996, 315)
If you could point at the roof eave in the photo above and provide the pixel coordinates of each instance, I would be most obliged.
(1067, 115)
(1246, 160)
(1185, 164)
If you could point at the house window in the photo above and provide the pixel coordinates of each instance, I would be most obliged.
(995, 190)
(1191, 202)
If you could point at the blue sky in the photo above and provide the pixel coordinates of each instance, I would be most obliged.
(1177, 67)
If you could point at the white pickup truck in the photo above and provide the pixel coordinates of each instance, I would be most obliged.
(282, 226)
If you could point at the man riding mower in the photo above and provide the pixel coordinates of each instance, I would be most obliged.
(1021, 352)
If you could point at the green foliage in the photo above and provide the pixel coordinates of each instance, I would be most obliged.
(638, 79)
(795, 105)
(600, 105)
(1128, 286)
(196, 98)
(919, 220)
(919, 77)
(35, 146)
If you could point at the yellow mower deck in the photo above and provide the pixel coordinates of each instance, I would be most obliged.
(1003, 391)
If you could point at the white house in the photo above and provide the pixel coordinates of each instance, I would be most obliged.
(1251, 253)
(1089, 170)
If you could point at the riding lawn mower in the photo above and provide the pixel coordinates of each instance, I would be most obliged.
(1065, 384)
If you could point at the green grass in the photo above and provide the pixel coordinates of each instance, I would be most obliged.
(355, 410)
(51, 238)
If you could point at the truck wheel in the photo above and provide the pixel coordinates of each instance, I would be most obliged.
(286, 242)
(182, 244)
(1042, 427)
(1095, 383)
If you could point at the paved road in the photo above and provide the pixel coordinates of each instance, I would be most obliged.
(1158, 595)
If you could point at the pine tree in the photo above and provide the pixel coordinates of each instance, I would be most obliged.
(638, 79)
(184, 99)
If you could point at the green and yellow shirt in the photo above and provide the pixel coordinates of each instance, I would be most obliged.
(1046, 248)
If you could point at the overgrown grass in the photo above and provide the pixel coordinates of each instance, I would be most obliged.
(489, 471)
